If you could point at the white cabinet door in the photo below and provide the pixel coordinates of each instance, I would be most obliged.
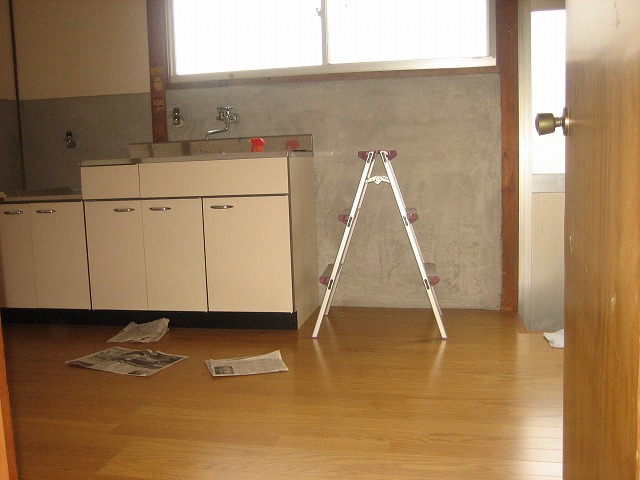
(174, 254)
(116, 255)
(17, 282)
(248, 252)
(60, 255)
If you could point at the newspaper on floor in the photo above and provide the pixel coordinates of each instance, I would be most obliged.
(142, 332)
(555, 339)
(138, 363)
(230, 367)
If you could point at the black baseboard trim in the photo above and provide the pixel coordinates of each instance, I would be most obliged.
(240, 320)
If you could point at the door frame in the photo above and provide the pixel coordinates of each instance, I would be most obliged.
(529, 183)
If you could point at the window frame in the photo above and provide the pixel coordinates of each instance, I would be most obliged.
(328, 71)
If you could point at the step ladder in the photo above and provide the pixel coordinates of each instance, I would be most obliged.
(331, 275)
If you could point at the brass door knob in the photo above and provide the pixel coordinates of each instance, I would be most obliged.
(547, 123)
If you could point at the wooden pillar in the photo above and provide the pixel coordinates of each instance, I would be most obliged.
(157, 27)
(507, 56)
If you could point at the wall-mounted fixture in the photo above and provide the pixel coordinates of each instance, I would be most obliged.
(176, 118)
(71, 143)
(224, 115)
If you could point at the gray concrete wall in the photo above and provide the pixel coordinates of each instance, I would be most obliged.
(10, 169)
(103, 126)
(446, 130)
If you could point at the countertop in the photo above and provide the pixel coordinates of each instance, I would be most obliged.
(181, 151)
(60, 194)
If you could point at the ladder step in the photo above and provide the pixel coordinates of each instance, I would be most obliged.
(326, 275)
(412, 215)
(430, 269)
(391, 154)
(432, 275)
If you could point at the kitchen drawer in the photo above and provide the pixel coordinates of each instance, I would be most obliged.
(110, 181)
(251, 176)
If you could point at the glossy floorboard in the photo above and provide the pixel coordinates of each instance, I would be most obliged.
(377, 396)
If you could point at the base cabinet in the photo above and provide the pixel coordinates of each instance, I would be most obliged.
(116, 255)
(174, 254)
(43, 256)
(146, 254)
(248, 254)
(201, 235)
(18, 287)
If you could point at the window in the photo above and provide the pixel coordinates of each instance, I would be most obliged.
(214, 39)
(548, 36)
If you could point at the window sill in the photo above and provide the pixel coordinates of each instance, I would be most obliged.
(323, 77)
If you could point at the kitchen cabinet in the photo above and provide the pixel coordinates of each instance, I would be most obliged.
(18, 287)
(174, 254)
(115, 247)
(203, 233)
(248, 254)
(146, 254)
(43, 256)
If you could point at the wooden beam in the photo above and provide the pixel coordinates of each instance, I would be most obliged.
(507, 57)
(157, 34)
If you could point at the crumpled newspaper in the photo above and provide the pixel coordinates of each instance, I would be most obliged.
(142, 332)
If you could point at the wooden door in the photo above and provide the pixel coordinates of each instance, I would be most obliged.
(602, 240)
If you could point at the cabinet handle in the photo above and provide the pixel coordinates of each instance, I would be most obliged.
(124, 210)
(46, 211)
(13, 212)
(221, 207)
(159, 209)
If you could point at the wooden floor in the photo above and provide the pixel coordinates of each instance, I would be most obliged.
(377, 396)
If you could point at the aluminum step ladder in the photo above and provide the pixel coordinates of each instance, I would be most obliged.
(427, 270)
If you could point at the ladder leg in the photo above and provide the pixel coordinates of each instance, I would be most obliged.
(346, 240)
(414, 242)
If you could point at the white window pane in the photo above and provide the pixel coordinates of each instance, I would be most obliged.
(548, 67)
(238, 35)
(387, 30)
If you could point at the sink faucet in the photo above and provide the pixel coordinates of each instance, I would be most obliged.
(224, 115)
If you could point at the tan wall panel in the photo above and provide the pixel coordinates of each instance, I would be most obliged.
(547, 261)
(74, 48)
(7, 86)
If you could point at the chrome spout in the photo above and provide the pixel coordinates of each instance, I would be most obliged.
(224, 115)
(217, 130)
